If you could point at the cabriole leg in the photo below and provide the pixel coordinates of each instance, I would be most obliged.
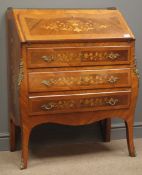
(130, 142)
(25, 147)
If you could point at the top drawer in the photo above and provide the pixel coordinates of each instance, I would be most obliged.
(78, 56)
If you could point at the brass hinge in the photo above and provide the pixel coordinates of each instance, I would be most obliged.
(21, 73)
(136, 71)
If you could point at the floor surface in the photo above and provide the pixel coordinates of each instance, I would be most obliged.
(72, 158)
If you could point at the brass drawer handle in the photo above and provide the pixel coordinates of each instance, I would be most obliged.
(48, 106)
(112, 79)
(113, 56)
(47, 58)
(112, 101)
(47, 82)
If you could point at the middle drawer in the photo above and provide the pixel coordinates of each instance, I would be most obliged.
(54, 80)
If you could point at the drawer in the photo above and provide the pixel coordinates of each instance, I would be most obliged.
(78, 56)
(78, 102)
(78, 79)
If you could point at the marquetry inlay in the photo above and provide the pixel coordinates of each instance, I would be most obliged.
(85, 102)
(84, 56)
(83, 80)
(69, 25)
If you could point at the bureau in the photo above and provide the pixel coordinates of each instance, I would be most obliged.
(71, 67)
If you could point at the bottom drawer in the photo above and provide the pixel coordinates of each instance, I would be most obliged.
(78, 102)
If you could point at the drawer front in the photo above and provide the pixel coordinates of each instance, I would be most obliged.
(76, 80)
(77, 56)
(78, 102)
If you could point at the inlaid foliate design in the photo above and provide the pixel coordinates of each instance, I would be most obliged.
(75, 25)
(84, 56)
(83, 80)
(95, 56)
(68, 25)
(85, 102)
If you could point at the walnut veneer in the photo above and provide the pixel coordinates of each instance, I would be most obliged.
(72, 67)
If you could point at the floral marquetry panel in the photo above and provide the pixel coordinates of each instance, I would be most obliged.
(71, 24)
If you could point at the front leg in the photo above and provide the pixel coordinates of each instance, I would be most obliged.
(25, 146)
(130, 138)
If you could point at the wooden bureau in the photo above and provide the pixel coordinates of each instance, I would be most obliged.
(71, 67)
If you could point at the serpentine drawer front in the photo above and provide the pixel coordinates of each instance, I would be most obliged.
(79, 102)
(52, 80)
(71, 67)
(78, 56)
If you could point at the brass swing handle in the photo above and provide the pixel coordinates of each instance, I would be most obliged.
(47, 58)
(112, 102)
(48, 82)
(48, 106)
